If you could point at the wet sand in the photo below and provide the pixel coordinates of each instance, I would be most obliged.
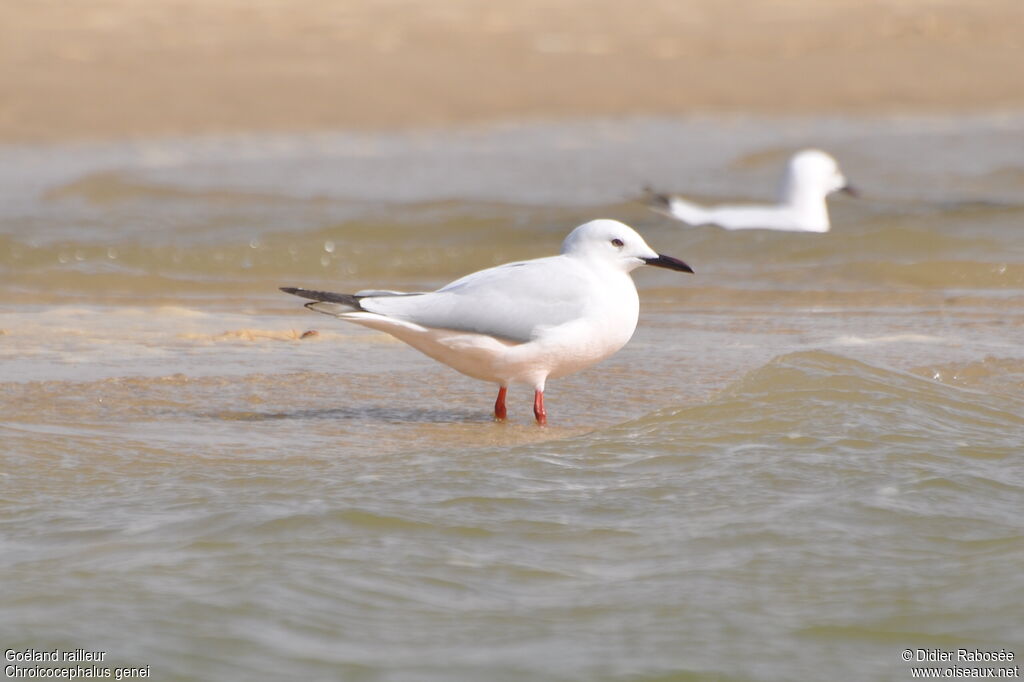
(117, 68)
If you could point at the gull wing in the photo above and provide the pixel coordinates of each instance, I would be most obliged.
(513, 301)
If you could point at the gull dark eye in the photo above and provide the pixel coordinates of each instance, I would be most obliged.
(617, 243)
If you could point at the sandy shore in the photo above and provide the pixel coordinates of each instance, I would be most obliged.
(117, 68)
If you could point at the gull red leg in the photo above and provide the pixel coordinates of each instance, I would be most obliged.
(538, 408)
(499, 405)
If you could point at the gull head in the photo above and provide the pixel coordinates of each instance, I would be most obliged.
(814, 171)
(615, 245)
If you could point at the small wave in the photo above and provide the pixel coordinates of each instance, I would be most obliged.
(824, 402)
(1000, 375)
(108, 187)
(853, 340)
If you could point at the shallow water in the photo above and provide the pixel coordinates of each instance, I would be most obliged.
(807, 460)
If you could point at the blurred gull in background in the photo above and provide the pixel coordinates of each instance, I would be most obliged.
(811, 176)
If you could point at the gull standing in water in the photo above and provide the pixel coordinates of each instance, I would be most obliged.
(811, 175)
(522, 322)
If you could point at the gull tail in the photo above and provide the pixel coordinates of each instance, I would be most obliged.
(657, 201)
(675, 207)
(327, 302)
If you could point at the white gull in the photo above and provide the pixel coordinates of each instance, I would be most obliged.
(811, 175)
(521, 322)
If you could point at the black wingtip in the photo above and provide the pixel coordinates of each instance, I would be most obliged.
(324, 296)
(657, 200)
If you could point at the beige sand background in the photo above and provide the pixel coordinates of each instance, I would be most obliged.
(117, 68)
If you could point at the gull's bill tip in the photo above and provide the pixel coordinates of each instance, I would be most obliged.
(663, 261)
(851, 190)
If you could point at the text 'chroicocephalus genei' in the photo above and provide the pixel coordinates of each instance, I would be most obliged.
(811, 175)
(521, 322)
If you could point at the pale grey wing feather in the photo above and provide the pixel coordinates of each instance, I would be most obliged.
(512, 301)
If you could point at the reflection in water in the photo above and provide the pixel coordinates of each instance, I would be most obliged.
(362, 413)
